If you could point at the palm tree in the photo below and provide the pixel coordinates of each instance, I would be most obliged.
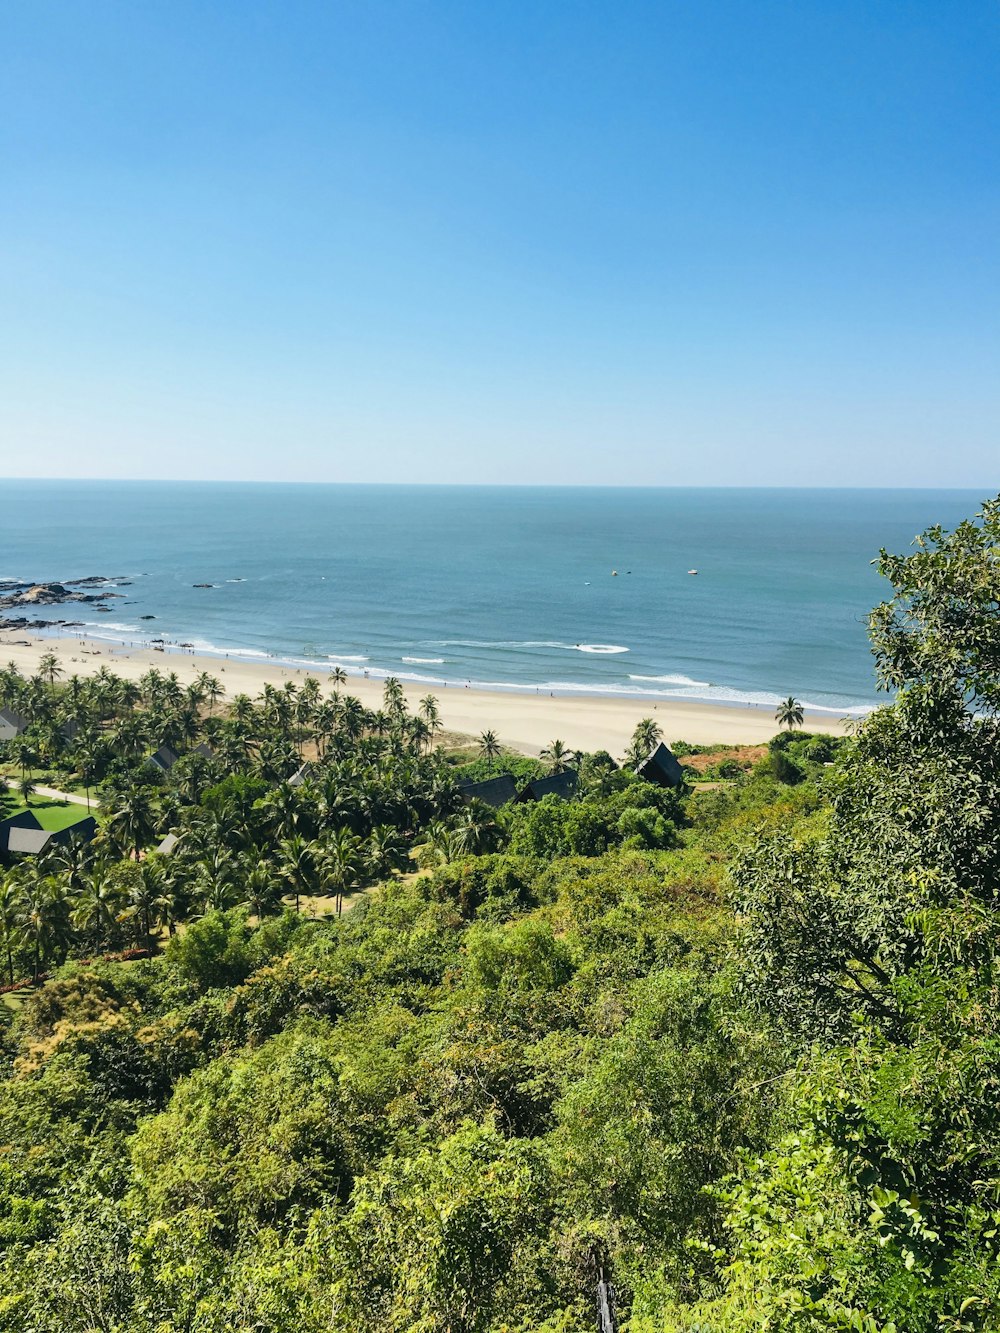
(134, 818)
(419, 732)
(789, 713)
(489, 748)
(145, 894)
(25, 755)
(558, 756)
(170, 903)
(342, 862)
(241, 710)
(440, 845)
(298, 865)
(41, 915)
(475, 828)
(26, 789)
(647, 735)
(430, 712)
(262, 888)
(97, 905)
(9, 907)
(393, 697)
(384, 851)
(210, 689)
(338, 676)
(49, 666)
(87, 767)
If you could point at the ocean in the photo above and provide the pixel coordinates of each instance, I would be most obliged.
(552, 589)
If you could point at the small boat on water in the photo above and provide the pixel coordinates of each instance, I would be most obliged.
(692, 571)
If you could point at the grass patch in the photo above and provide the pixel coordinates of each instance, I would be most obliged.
(52, 815)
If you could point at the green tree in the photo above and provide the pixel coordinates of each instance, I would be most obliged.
(789, 713)
(647, 735)
(489, 748)
(558, 756)
(297, 865)
(49, 667)
(132, 820)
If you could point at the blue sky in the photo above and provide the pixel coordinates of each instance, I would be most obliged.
(670, 243)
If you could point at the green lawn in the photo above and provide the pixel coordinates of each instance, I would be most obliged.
(52, 815)
(15, 998)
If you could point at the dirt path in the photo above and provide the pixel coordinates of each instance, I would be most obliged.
(51, 793)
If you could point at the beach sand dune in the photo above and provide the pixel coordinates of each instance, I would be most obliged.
(522, 721)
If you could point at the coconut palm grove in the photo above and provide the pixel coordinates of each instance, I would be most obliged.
(304, 1034)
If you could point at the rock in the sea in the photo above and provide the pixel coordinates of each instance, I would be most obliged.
(44, 594)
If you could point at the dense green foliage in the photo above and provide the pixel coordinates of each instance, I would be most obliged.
(741, 1044)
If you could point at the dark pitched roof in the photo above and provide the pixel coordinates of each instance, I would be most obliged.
(494, 791)
(555, 784)
(29, 841)
(164, 758)
(70, 729)
(84, 829)
(301, 774)
(13, 722)
(661, 767)
(23, 820)
(204, 749)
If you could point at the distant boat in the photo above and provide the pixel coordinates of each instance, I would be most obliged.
(692, 571)
(614, 573)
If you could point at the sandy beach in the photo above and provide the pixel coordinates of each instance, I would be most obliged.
(523, 721)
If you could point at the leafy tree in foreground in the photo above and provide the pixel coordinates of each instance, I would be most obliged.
(872, 944)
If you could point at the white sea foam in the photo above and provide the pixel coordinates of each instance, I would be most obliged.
(676, 687)
(204, 646)
(515, 644)
(673, 680)
(99, 625)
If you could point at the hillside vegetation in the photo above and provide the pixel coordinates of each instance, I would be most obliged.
(739, 1048)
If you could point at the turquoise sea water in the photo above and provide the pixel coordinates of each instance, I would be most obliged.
(509, 587)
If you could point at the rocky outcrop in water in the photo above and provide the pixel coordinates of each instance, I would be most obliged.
(52, 594)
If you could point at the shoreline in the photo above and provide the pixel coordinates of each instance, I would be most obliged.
(523, 720)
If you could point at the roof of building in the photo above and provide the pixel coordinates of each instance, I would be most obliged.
(25, 819)
(300, 775)
(163, 758)
(83, 829)
(70, 728)
(167, 845)
(203, 748)
(13, 721)
(554, 784)
(30, 839)
(661, 766)
(494, 791)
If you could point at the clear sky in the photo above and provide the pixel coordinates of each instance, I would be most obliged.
(619, 242)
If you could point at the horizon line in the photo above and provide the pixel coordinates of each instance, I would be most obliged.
(992, 488)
